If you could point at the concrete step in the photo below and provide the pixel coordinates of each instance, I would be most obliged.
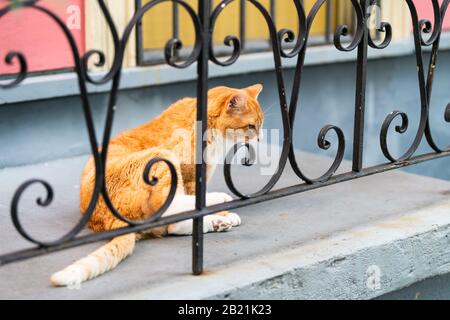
(327, 243)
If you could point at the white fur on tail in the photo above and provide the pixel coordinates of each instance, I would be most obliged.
(97, 263)
(110, 255)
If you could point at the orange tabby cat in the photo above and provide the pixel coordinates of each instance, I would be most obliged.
(232, 113)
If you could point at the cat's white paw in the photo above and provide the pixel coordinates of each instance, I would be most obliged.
(234, 218)
(216, 223)
(213, 198)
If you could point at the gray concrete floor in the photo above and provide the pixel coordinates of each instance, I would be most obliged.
(268, 227)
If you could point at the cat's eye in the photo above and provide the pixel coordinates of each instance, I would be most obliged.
(251, 127)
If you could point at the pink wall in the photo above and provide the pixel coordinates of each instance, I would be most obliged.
(38, 37)
(425, 11)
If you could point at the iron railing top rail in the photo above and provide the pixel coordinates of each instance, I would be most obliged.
(247, 46)
(202, 53)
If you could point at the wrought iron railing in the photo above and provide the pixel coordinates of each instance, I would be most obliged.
(202, 54)
(153, 56)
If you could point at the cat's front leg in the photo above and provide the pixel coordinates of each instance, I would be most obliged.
(211, 223)
(213, 198)
(234, 217)
(219, 222)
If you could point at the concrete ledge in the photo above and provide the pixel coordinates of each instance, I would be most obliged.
(327, 243)
(61, 85)
(362, 263)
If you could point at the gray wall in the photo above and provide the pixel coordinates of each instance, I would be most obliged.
(42, 130)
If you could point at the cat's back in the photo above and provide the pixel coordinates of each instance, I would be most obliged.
(158, 132)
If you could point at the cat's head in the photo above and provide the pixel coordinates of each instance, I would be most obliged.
(236, 113)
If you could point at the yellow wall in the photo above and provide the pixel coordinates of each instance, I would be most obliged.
(98, 35)
(157, 23)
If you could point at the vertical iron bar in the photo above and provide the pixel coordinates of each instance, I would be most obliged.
(139, 39)
(175, 20)
(175, 24)
(432, 67)
(273, 12)
(328, 30)
(242, 21)
(204, 7)
(360, 99)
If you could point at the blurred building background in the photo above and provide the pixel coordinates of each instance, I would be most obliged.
(47, 103)
(42, 119)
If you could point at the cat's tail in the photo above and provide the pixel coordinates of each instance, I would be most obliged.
(98, 262)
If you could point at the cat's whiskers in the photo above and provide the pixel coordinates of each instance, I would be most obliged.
(270, 115)
(269, 108)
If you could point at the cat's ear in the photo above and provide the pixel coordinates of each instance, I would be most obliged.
(254, 90)
(237, 103)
